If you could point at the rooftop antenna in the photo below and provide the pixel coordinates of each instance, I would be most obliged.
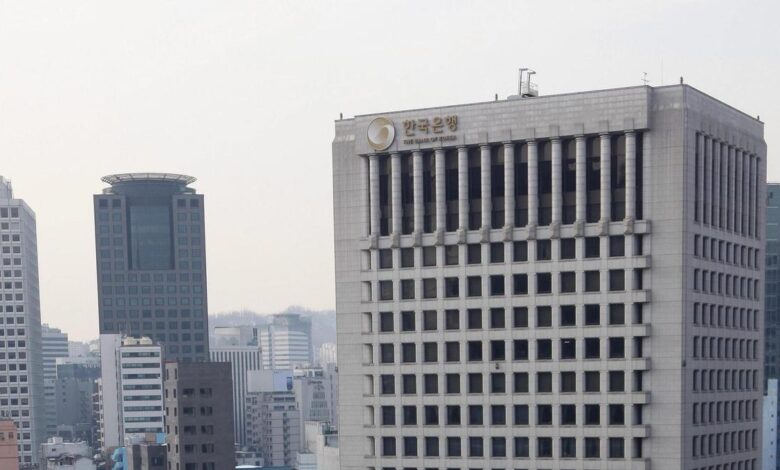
(644, 79)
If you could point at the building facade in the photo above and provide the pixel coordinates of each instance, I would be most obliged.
(21, 374)
(131, 388)
(316, 395)
(273, 418)
(772, 287)
(55, 345)
(239, 347)
(9, 453)
(73, 390)
(286, 342)
(568, 281)
(151, 262)
(199, 416)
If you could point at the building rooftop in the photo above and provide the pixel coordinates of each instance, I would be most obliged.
(148, 177)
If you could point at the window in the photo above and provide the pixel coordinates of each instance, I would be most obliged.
(520, 251)
(497, 252)
(617, 314)
(544, 382)
(498, 447)
(451, 255)
(520, 284)
(474, 318)
(429, 255)
(592, 315)
(520, 382)
(521, 415)
(451, 319)
(592, 448)
(592, 348)
(568, 447)
(408, 352)
(617, 280)
(429, 288)
(407, 321)
(452, 415)
(544, 447)
(592, 381)
(385, 321)
(592, 281)
(431, 446)
(617, 381)
(543, 250)
(568, 315)
(386, 353)
(385, 290)
(568, 282)
(497, 350)
(522, 448)
(453, 447)
(452, 351)
(543, 283)
(616, 415)
(388, 416)
(474, 349)
(568, 248)
(520, 348)
(387, 384)
(452, 383)
(430, 352)
(476, 447)
(451, 287)
(616, 448)
(592, 247)
(430, 384)
(430, 320)
(407, 289)
(568, 382)
(407, 257)
(474, 286)
(385, 258)
(498, 415)
(388, 446)
(544, 415)
(431, 414)
(592, 415)
(475, 415)
(409, 384)
(520, 317)
(543, 317)
(617, 348)
(410, 446)
(497, 318)
(496, 284)
(474, 253)
(568, 348)
(617, 245)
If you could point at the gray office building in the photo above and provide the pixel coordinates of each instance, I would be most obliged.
(21, 362)
(772, 287)
(151, 262)
(564, 281)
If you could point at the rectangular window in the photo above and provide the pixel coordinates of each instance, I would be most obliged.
(568, 248)
(520, 251)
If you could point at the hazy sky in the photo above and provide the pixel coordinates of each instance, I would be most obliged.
(243, 95)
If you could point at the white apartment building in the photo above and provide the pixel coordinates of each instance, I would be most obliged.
(568, 282)
(21, 374)
(130, 388)
(286, 342)
(55, 345)
(238, 346)
(273, 418)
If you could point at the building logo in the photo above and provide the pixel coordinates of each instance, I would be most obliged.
(381, 133)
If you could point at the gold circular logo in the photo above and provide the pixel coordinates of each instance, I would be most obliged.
(381, 133)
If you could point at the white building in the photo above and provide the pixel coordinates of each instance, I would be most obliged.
(55, 345)
(130, 388)
(320, 447)
(316, 394)
(568, 281)
(286, 342)
(273, 418)
(770, 419)
(21, 376)
(59, 455)
(327, 354)
(238, 346)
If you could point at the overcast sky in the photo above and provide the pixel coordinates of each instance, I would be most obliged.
(243, 95)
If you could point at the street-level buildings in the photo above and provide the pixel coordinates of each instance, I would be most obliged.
(569, 281)
(21, 374)
(151, 262)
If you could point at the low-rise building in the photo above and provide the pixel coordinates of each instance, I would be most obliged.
(9, 453)
(59, 455)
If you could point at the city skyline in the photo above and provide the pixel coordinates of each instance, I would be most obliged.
(207, 90)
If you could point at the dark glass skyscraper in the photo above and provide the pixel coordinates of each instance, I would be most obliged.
(151, 262)
(772, 290)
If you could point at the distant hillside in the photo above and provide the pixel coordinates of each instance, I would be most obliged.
(323, 322)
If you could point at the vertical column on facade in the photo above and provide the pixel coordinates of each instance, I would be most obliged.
(581, 189)
(715, 183)
(724, 185)
(395, 193)
(417, 184)
(701, 141)
(730, 196)
(373, 191)
(757, 230)
(441, 210)
(463, 192)
(745, 193)
(752, 195)
(557, 197)
(509, 187)
(487, 206)
(630, 176)
(533, 188)
(738, 170)
(606, 180)
(708, 165)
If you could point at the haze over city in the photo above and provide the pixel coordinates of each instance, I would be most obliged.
(243, 95)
